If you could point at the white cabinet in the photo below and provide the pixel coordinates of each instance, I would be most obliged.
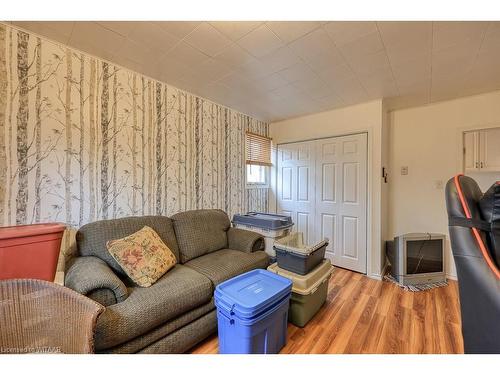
(482, 150)
(471, 151)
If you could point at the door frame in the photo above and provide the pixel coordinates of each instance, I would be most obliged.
(369, 187)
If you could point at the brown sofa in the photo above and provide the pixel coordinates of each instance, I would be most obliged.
(177, 311)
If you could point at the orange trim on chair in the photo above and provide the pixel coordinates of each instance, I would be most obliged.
(479, 240)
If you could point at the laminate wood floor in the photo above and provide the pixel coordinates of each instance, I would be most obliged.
(362, 315)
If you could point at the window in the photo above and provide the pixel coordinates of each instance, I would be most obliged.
(256, 174)
(258, 159)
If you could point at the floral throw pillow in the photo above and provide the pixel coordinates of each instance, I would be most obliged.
(143, 256)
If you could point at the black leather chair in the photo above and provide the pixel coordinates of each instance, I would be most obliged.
(474, 225)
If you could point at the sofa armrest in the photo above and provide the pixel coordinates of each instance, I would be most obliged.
(88, 275)
(244, 240)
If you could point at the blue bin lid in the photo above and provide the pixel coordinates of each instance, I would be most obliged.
(251, 293)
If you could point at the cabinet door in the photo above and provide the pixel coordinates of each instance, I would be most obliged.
(471, 151)
(490, 150)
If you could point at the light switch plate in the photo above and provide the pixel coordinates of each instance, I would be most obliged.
(404, 171)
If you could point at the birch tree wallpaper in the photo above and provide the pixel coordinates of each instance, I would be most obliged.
(82, 140)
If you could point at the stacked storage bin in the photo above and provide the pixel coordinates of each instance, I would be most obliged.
(252, 312)
(309, 271)
(271, 226)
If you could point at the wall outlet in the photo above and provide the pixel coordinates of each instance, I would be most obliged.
(404, 171)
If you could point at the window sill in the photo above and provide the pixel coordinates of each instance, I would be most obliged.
(257, 186)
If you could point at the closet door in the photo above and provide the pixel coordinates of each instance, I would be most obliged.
(322, 185)
(341, 199)
(295, 186)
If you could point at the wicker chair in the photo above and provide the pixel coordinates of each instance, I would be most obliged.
(38, 316)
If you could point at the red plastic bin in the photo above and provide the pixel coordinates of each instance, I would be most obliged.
(30, 251)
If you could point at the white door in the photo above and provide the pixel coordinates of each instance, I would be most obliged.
(341, 193)
(295, 186)
(337, 194)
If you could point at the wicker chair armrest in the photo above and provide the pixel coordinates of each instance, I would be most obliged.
(89, 274)
(244, 240)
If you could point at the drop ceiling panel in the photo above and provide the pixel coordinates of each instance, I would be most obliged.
(276, 70)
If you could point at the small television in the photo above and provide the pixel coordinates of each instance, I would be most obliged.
(417, 258)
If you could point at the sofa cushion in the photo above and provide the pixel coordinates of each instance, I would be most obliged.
(91, 238)
(226, 263)
(200, 232)
(180, 290)
(143, 256)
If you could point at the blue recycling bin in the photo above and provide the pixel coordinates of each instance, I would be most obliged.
(252, 313)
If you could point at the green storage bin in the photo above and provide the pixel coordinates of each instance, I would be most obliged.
(308, 291)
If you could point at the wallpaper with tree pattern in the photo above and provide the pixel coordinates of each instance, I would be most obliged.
(82, 140)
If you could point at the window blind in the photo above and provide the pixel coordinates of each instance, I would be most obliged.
(258, 149)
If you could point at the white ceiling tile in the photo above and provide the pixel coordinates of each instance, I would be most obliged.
(310, 84)
(137, 52)
(95, 39)
(447, 34)
(319, 92)
(207, 39)
(297, 72)
(337, 73)
(153, 37)
(178, 28)
(174, 70)
(412, 72)
(213, 70)
(123, 28)
(260, 42)
(458, 58)
(254, 70)
(380, 86)
(488, 60)
(313, 43)
(235, 56)
(280, 59)
(406, 41)
(404, 35)
(332, 101)
(272, 82)
(188, 55)
(59, 31)
(403, 56)
(365, 65)
(288, 31)
(234, 80)
(284, 92)
(344, 32)
(492, 37)
(234, 30)
(414, 88)
(368, 44)
(324, 60)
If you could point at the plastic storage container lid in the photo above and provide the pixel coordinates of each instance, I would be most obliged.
(251, 293)
(306, 284)
(30, 230)
(294, 243)
(263, 220)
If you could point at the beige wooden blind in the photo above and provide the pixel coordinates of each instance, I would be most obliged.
(258, 149)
